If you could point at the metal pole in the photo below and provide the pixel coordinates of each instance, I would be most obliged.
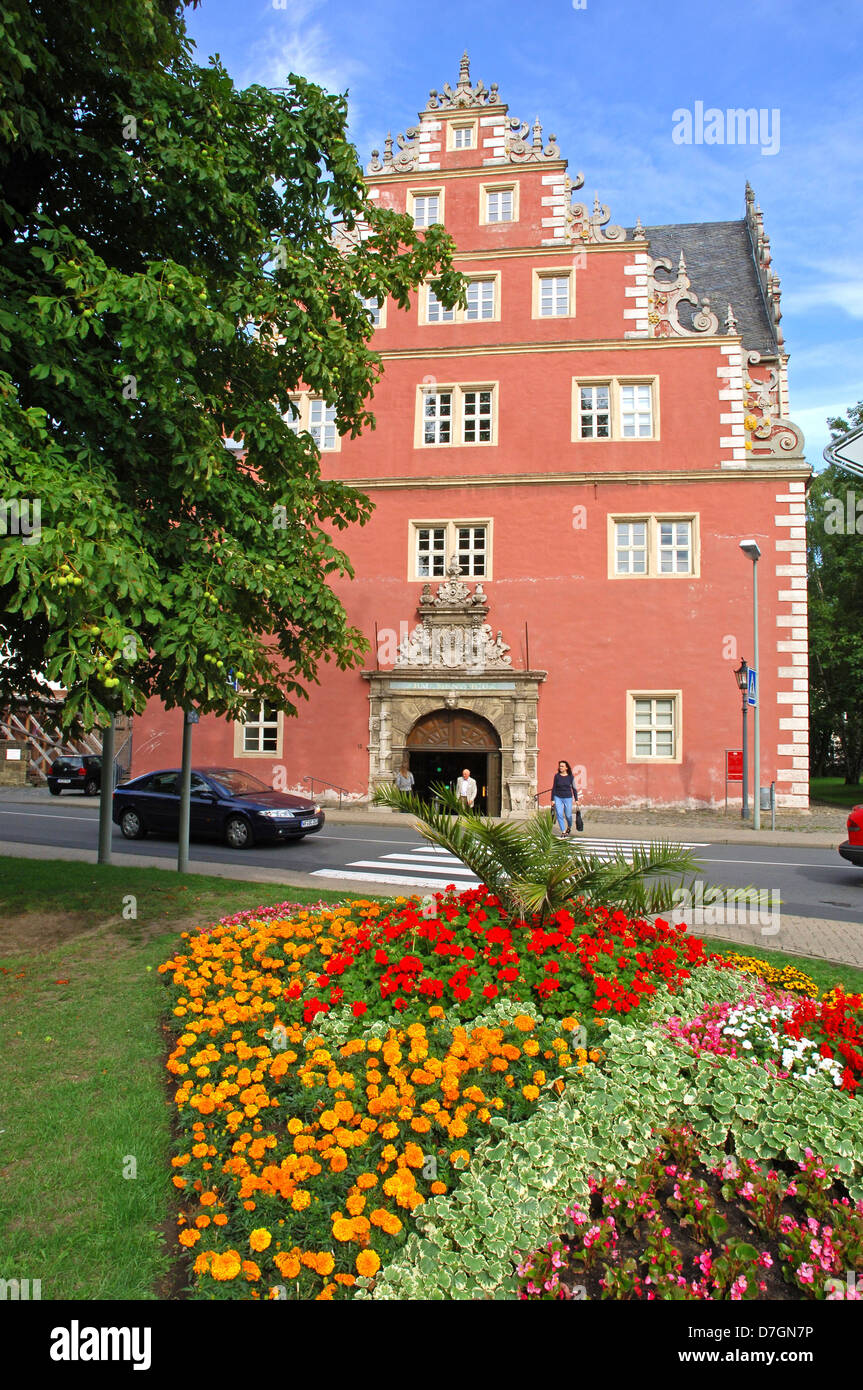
(106, 795)
(185, 796)
(744, 812)
(756, 819)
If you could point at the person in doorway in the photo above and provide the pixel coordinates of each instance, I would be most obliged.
(466, 789)
(563, 794)
(404, 779)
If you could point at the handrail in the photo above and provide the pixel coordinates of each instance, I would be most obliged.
(537, 795)
(332, 785)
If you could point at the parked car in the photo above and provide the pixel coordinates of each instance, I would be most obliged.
(226, 803)
(852, 850)
(76, 773)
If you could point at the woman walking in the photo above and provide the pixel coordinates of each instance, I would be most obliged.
(563, 794)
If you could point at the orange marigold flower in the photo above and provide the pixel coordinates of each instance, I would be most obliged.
(260, 1238)
(368, 1263)
(438, 1188)
(367, 1180)
(251, 1270)
(530, 1092)
(220, 1219)
(343, 1230)
(326, 1264)
(188, 1238)
(202, 1221)
(523, 1023)
(226, 1266)
(287, 1264)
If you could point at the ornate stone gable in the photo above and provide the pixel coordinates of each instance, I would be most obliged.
(452, 635)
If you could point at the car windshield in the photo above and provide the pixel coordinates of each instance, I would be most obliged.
(237, 783)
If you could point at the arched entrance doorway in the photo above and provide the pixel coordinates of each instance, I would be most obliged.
(441, 744)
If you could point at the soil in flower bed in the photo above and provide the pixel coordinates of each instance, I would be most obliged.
(682, 1230)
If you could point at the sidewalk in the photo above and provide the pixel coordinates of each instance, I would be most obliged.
(822, 828)
(820, 937)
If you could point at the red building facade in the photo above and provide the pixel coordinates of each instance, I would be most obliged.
(562, 472)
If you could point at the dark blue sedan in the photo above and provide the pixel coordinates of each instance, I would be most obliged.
(225, 803)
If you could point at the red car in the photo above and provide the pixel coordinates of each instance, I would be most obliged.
(852, 849)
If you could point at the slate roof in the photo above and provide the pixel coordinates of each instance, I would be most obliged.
(720, 264)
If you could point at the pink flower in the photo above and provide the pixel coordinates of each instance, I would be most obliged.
(806, 1274)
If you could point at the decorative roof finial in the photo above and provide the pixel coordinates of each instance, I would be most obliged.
(730, 321)
(464, 71)
(638, 233)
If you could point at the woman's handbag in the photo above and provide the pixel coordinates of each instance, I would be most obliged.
(579, 819)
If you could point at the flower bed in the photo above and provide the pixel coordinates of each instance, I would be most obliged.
(680, 1229)
(349, 1081)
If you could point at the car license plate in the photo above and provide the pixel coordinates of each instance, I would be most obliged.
(63, 781)
(304, 823)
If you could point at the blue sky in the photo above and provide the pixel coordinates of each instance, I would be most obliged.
(606, 78)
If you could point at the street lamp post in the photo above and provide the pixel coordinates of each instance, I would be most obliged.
(741, 675)
(751, 548)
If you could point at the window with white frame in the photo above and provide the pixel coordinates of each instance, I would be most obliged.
(425, 208)
(261, 727)
(653, 546)
(373, 304)
(674, 546)
(317, 418)
(437, 417)
(630, 547)
(480, 300)
(594, 412)
(462, 137)
(654, 726)
(615, 409)
(458, 414)
(477, 417)
(636, 412)
(435, 544)
(322, 424)
(435, 311)
(499, 204)
(554, 296)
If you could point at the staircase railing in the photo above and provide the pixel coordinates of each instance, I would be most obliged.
(319, 781)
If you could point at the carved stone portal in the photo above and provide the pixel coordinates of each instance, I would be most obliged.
(454, 680)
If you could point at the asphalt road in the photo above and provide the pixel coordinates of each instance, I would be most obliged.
(811, 882)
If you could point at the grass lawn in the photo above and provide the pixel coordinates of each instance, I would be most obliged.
(81, 1007)
(833, 791)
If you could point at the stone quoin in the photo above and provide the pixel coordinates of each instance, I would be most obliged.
(562, 472)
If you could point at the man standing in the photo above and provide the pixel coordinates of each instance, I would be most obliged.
(466, 790)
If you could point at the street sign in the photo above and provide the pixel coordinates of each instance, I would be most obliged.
(734, 764)
(751, 686)
(192, 716)
(847, 452)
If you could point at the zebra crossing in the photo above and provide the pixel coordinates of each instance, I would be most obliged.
(428, 866)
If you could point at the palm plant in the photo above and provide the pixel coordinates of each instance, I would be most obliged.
(533, 871)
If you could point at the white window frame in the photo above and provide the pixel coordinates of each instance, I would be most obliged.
(242, 728)
(416, 193)
(540, 277)
(492, 188)
(460, 315)
(303, 422)
(596, 410)
(653, 522)
(632, 699)
(460, 414)
(451, 546)
(434, 307)
(616, 387)
(460, 125)
(377, 308)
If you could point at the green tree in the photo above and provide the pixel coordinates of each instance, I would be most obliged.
(835, 562)
(531, 869)
(177, 258)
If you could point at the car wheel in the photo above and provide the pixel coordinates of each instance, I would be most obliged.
(238, 832)
(91, 786)
(131, 825)
(55, 791)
